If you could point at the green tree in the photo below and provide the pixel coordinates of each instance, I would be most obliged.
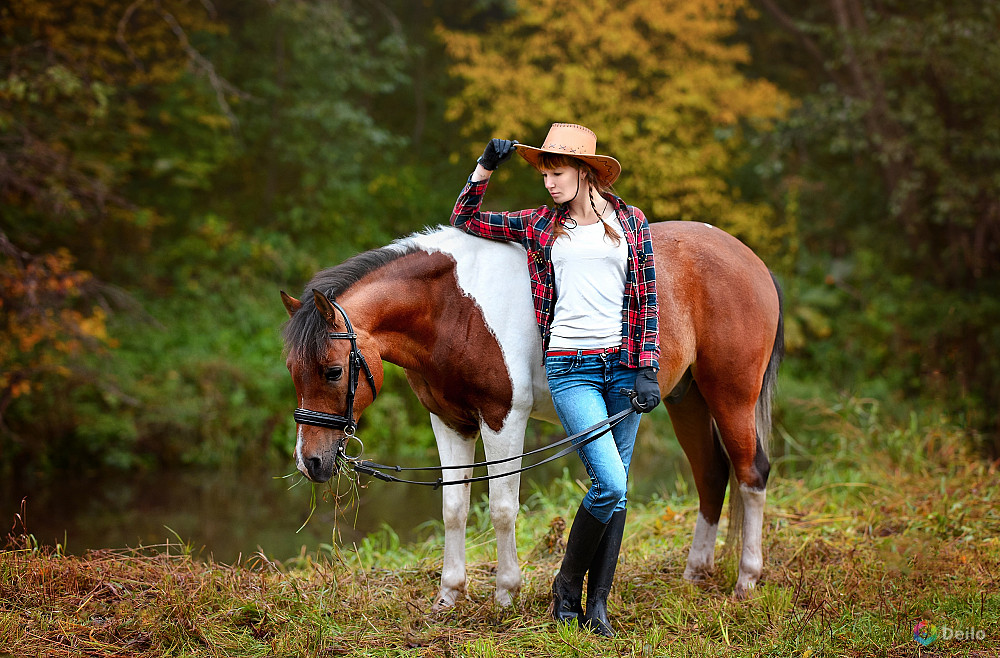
(313, 151)
(96, 113)
(110, 117)
(196, 158)
(892, 160)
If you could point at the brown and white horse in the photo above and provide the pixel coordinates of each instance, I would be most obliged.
(455, 312)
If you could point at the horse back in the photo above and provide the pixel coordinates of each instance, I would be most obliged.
(718, 303)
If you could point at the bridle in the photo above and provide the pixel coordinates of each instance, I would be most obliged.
(356, 363)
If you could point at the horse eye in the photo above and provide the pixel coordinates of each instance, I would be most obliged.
(333, 374)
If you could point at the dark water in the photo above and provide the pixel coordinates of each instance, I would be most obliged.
(228, 514)
(222, 514)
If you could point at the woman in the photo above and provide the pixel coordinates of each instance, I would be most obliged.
(590, 259)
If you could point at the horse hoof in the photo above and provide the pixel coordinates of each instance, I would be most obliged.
(440, 606)
(697, 575)
(445, 600)
(744, 590)
(504, 599)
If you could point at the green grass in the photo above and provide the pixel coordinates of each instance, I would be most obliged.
(888, 528)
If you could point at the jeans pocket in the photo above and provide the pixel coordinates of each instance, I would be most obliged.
(556, 366)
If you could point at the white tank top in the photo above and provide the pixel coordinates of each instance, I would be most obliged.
(590, 287)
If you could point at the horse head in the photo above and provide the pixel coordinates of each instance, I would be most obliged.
(328, 359)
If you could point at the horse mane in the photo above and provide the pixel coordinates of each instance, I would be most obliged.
(304, 332)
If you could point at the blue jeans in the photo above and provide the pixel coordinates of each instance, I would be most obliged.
(586, 390)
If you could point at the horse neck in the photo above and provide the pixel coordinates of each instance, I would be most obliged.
(397, 307)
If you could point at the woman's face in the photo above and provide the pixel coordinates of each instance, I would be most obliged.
(562, 183)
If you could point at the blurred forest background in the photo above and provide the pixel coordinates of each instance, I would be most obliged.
(166, 166)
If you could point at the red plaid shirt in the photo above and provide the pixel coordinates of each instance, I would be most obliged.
(533, 229)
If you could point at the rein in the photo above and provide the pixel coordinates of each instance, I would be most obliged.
(371, 468)
(357, 364)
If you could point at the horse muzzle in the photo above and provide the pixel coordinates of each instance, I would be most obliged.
(319, 468)
(320, 464)
(318, 452)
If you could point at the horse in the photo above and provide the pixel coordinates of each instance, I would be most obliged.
(454, 311)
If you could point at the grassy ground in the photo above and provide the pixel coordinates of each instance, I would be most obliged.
(864, 543)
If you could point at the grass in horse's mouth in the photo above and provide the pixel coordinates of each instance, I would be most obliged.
(329, 493)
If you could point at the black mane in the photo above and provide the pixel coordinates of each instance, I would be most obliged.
(305, 331)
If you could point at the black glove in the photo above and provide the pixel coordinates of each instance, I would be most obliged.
(497, 152)
(647, 391)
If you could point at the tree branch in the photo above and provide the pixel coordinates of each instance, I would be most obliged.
(887, 136)
(219, 84)
(120, 34)
(810, 46)
(853, 63)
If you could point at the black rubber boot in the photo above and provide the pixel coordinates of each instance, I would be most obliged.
(602, 573)
(567, 588)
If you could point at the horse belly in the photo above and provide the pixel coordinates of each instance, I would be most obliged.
(458, 416)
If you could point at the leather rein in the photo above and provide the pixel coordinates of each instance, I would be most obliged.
(347, 424)
(375, 470)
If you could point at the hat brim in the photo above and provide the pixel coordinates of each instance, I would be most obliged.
(608, 169)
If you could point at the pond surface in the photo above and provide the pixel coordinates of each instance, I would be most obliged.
(219, 513)
(229, 515)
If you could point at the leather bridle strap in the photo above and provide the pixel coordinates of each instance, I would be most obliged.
(355, 365)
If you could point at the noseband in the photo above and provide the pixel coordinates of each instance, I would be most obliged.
(355, 364)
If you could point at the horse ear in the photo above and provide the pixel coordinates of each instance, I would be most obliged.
(292, 305)
(325, 308)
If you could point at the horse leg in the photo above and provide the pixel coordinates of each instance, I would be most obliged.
(693, 425)
(454, 449)
(504, 501)
(752, 558)
(738, 427)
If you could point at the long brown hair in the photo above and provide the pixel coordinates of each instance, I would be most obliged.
(556, 160)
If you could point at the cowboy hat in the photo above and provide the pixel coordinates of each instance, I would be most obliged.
(575, 141)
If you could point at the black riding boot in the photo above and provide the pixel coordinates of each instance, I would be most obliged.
(602, 573)
(567, 588)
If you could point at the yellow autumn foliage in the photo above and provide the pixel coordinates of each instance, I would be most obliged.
(39, 328)
(658, 80)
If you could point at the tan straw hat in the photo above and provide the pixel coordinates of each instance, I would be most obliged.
(575, 141)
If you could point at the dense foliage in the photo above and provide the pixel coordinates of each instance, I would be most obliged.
(166, 167)
(890, 171)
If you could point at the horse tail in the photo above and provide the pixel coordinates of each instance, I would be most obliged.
(762, 412)
(766, 398)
